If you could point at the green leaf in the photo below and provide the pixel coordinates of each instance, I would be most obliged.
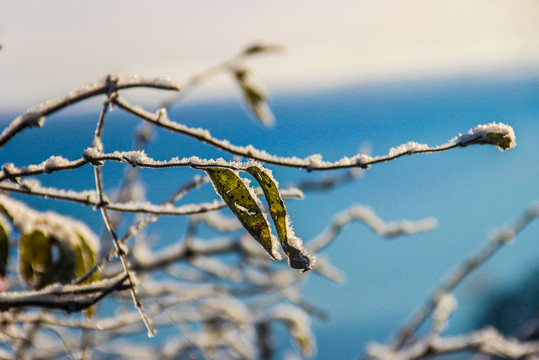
(4, 249)
(52, 248)
(244, 205)
(35, 259)
(46, 259)
(297, 255)
(88, 258)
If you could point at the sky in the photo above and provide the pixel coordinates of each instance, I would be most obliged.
(49, 48)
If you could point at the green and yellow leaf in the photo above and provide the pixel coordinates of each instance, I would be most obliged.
(238, 197)
(297, 255)
(36, 259)
(52, 248)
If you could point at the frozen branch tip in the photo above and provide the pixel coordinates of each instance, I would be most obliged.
(501, 135)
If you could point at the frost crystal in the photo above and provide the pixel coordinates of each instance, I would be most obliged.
(501, 135)
(25, 220)
(53, 163)
(408, 148)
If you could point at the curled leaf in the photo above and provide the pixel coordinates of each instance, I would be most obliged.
(52, 248)
(258, 48)
(255, 99)
(35, 259)
(45, 259)
(298, 257)
(236, 194)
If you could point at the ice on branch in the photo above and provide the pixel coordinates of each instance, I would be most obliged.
(25, 219)
(501, 135)
(367, 216)
(409, 148)
(227, 307)
(50, 165)
(299, 325)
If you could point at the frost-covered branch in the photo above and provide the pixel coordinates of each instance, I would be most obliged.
(502, 238)
(111, 83)
(64, 297)
(485, 341)
(52, 164)
(145, 261)
(369, 218)
(495, 134)
(89, 197)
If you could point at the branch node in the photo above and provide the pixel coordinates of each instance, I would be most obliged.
(90, 154)
(100, 204)
(33, 119)
(8, 175)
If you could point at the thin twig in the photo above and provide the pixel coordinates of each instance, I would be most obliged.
(89, 198)
(22, 345)
(121, 254)
(64, 342)
(330, 182)
(229, 65)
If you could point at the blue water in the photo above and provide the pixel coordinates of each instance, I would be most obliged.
(470, 191)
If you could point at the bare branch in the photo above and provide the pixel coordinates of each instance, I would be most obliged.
(36, 116)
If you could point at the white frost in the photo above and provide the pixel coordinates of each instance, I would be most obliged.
(498, 134)
(25, 220)
(409, 148)
(299, 325)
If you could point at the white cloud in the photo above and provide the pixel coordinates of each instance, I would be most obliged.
(54, 46)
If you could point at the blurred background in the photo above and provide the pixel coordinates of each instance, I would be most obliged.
(355, 74)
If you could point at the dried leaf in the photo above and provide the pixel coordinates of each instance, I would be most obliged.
(255, 99)
(244, 205)
(88, 258)
(258, 48)
(297, 255)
